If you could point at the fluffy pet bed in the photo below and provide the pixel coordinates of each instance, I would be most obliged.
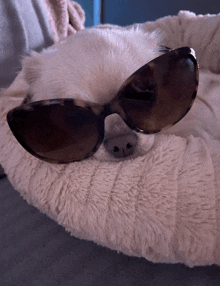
(165, 205)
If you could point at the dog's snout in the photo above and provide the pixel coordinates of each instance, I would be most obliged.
(122, 145)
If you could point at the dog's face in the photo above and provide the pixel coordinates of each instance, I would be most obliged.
(92, 65)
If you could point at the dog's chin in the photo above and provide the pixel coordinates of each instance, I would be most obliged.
(144, 144)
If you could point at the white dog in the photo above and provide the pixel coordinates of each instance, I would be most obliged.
(92, 65)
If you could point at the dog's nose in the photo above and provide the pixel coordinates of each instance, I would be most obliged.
(122, 145)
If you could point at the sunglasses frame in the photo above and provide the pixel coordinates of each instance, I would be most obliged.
(99, 111)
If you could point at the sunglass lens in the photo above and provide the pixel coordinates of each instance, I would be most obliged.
(56, 131)
(161, 92)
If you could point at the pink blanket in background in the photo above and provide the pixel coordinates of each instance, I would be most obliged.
(66, 17)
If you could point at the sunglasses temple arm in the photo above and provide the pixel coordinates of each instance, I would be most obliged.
(27, 99)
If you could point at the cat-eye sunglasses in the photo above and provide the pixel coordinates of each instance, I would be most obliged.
(153, 98)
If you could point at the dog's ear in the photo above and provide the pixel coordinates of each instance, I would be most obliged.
(18, 88)
(21, 86)
(31, 67)
(13, 95)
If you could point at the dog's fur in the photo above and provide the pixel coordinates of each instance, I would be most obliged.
(92, 64)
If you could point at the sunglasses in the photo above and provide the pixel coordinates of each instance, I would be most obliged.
(153, 98)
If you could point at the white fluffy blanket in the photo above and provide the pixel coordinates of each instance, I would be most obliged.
(165, 205)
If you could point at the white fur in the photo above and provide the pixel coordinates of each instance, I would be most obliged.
(90, 65)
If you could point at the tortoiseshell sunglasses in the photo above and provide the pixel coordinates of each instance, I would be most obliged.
(64, 130)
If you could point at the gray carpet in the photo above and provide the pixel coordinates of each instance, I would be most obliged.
(38, 252)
